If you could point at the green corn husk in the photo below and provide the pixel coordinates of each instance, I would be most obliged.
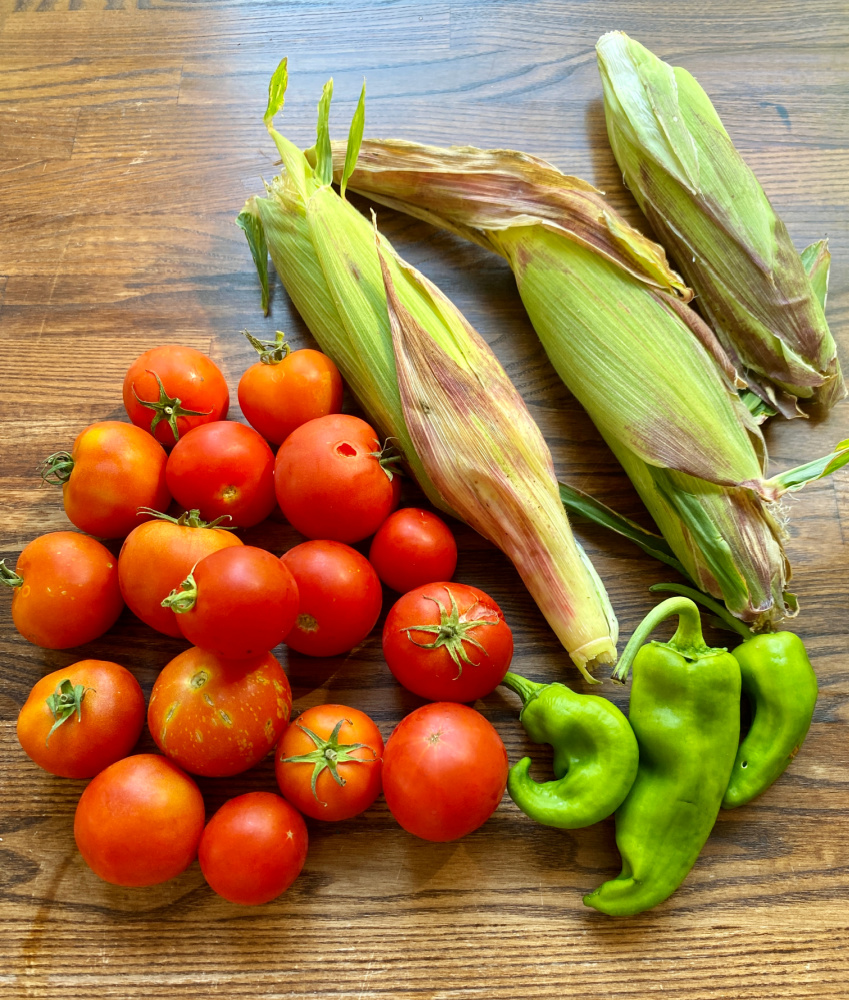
(613, 319)
(708, 209)
(461, 426)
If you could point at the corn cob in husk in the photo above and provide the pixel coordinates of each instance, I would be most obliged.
(708, 209)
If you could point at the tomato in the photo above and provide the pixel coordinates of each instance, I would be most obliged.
(413, 547)
(285, 390)
(237, 602)
(331, 481)
(447, 642)
(253, 848)
(328, 762)
(218, 717)
(66, 590)
(80, 719)
(155, 559)
(444, 771)
(139, 821)
(339, 597)
(112, 470)
(223, 469)
(171, 389)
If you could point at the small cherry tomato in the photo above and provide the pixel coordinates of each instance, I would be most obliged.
(253, 848)
(139, 821)
(284, 390)
(447, 642)
(65, 590)
(155, 559)
(171, 389)
(444, 771)
(80, 719)
(112, 470)
(334, 481)
(328, 762)
(218, 717)
(339, 597)
(223, 469)
(413, 547)
(236, 602)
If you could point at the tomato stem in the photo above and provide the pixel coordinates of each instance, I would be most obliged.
(166, 408)
(65, 701)
(328, 754)
(387, 456)
(56, 469)
(189, 518)
(9, 576)
(271, 352)
(451, 632)
(183, 598)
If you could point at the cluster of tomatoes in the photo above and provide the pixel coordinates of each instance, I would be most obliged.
(221, 706)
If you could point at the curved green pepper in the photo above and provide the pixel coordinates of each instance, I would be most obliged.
(685, 712)
(781, 687)
(595, 755)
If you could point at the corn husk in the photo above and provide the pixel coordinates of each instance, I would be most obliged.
(708, 209)
(428, 381)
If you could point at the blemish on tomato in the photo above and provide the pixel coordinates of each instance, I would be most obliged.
(229, 493)
(306, 623)
(346, 450)
(225, 718)
(208, 700)
(199, 736)
(199, 679)
(169, 715)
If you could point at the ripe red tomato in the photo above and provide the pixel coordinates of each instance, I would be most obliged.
(155, 559)
(171, 389)
(112, 470)
(331, 481)
(66, 590)
(447, 642)
(139, 821)
(339, 597)
(218, 717)
(285, 390)
(444, 771)
(253, 848)
(328, 762)
(223, 469)
(413, 547)
(80, 719)
(236, 602)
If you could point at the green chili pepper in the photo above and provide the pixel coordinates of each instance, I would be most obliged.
(595, 755)
(685, 712)
(781, 687)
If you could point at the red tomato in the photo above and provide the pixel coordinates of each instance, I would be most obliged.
(237, 602)
(328, 762)
(139, 822)
(155, 559)
(253, 848)
(112, 470)
(339, 597)
(171, 389)
(444, 771)
(447, 642)
(218, 717)
(80, 719)
(66, 590)
(223, 469)
(277, 396)
(330, 480)
(413, 547)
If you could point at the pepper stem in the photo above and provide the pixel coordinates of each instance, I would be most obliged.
(525, 689)
(713, 606)
(688, 639)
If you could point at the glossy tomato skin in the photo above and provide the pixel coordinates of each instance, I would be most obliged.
(247, 601)
(139, 821)
(277, 398)
(118, 468)
(155, 559)
(339, 597)
(413, 547)
(329, 482)
(187, 375)
(223, 469)
(482, 659)
(360, 767)
(111, 717)
(70, 593)
(253, 848)
(217, 717)
(444, 771)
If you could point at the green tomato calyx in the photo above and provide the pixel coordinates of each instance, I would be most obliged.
(388, 456)
(189, 519)
(271, 352)
(329, 754)
(184, 597)
(56, 469)
(451, 632)
(66, 700)
(9, 576)
(166, 408)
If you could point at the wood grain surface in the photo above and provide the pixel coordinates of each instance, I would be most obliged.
(130, 135)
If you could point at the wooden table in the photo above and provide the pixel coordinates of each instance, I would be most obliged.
(130, 134)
